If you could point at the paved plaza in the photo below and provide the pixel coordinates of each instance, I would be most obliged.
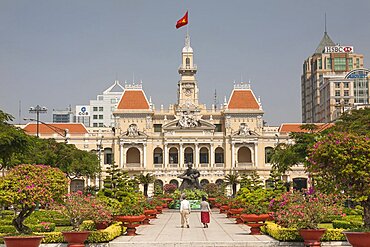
(166, 231)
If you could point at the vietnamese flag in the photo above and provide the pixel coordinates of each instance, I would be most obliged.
(183, 21)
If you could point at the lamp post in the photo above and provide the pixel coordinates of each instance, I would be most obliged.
(99, 147)
(38, 109)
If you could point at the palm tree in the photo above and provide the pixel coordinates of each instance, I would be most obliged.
(145, 180)
(233, 180)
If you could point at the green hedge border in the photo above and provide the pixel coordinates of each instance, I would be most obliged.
(291, 234)
(100, 236)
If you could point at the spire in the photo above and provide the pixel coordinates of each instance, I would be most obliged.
(325, 41)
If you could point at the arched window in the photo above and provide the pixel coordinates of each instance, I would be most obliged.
(268, 154)
(158, 156)
(219, 182)
(188, 155)
(108, 156)
(203, 155)
(187, 61)
(204, 182)
(173, 156)
(175, 182)
(219, 155)
(133, 155)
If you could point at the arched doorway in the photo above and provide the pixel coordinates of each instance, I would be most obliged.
(158, 186)
(244, 156)
(299, 183)
(173, 156)
(188, 155)
(203, 155)
(158, 156)
(133, 156)
(219, 157)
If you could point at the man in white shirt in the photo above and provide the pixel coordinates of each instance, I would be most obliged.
(185, 211)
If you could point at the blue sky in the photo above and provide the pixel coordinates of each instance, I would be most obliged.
(61, 53)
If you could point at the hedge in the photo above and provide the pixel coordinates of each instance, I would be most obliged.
(100, 236)
(291, 234)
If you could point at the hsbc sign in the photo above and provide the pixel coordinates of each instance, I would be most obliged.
(338, 49)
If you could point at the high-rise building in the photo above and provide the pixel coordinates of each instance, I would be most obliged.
(321, 71)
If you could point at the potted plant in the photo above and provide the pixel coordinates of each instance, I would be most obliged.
(77, 207)
(130, 213)
(101, 214)
(25, 187)
(235, 209)
(304, 211)
(340, 162)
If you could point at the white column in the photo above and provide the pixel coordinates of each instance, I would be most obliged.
(255, 154)
(144, 155)
(124, 156)
(165, 159)
(181, 155)
(196, 156)
(121, 155)
(232, 155)
(212, 158)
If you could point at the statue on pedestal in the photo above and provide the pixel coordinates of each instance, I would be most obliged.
(190, 178)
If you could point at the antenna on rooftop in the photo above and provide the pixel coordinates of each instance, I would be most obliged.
(325, 22)
(215, 100)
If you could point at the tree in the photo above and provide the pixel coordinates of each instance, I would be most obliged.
(13, 140)
(118, 184)
(251, 181)
(341, 162)
(354, 121)
(285, 156)
(25, 186)
(233, 180)
(145, 180)
(71, 160)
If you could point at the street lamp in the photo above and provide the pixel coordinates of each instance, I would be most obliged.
(59, 131)
(38, 109)
(99, 147)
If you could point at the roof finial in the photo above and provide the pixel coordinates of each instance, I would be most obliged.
(325, 22)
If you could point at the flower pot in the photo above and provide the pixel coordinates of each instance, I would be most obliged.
(130, 222)
(254, 217)
(159, 209)
(212, 201)
(235, 213)
(358, 239)
(17, 241)
(76, 239)
(149, 214)
(223, 209)
(255, 228)
(312, 237)
(101, 225)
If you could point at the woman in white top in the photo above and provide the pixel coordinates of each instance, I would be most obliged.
(204, 212)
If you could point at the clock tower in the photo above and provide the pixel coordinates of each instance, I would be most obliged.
(187, 92)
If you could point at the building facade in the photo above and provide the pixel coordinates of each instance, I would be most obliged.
(329, 62)
(232, 139)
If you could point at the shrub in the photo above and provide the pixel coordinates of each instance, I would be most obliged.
(169, 188)
(43, 227)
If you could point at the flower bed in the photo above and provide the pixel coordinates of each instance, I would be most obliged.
(292, 234)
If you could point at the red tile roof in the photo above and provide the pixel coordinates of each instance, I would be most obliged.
(133, 99)
(73, 128)
(243, 99)
(296, 127)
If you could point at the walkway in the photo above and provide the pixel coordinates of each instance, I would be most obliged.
(166, 231)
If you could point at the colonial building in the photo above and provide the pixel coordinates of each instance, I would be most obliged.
(229, 140)
(232, 139)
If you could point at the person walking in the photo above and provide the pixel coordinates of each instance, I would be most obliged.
(205, 210)
(184, 211)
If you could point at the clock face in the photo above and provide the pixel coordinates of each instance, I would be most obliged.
(188, 92)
